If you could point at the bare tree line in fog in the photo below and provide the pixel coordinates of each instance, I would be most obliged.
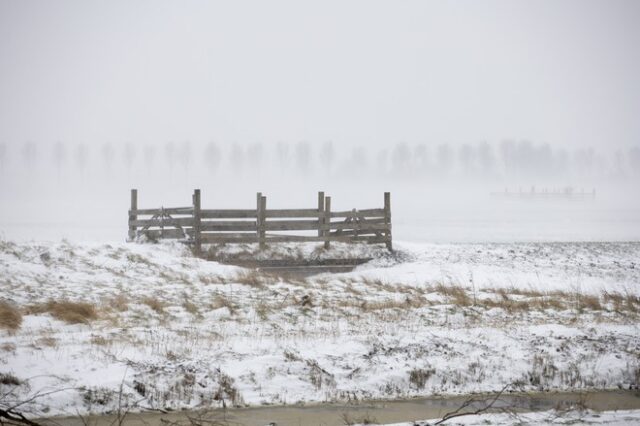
(508, 158)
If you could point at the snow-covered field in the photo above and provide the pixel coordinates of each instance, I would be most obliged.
(151, 326)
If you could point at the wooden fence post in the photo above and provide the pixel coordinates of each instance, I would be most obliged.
(132, 215)
(320, 213)
(387, 220)
(263, 220)
(258, 214)
(327, 222)
(196, 221)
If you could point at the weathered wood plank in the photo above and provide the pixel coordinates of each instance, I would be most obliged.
(228, 214)
(132, 214)
(228, 226)
(387, 218)
(359, 226)
(174, 221)
(212, 238)
(155, 234)
(291, 225)
(293, 213)
(313, 238)
(320, 213)
(196, 221)
(360, 213)
(327, 221)
(168, 210)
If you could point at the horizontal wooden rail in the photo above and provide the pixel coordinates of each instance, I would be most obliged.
(360, 213)
(228, 214)
(199, 226)
(293, 213)
(171, 210)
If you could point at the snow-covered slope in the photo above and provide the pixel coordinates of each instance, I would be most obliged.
(152, 326)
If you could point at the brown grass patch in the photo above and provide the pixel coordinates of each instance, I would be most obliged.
(622, 302)
(253, 278)
(10, 316)
(99, 340)
(154, 303)
(67, 311)
(456, 294)
(590, 302)
(119, 302)
(48, 341)
(221, 301)
(533, 300)
(190, 307)
(263, 310)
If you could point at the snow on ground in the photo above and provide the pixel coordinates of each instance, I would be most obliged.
(162, 329)
(612, 418)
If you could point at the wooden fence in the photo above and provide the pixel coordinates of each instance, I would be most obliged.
(198, 226)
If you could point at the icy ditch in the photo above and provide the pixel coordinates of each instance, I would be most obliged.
(611, 418)
(164, 330)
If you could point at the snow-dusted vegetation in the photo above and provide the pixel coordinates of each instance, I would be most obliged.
(89, 327)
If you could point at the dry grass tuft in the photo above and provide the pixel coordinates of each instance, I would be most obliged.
(190, 307)
(263, 310)
(9, 379)
(418, 377)
(253, 278)
(154, 303)
(456, 294)
(67, 311)
(10, 316)
(221, 301)
(590, 302)
(119, 302)
(622, 302)
(99, 340)
(48, 341)
(532, 300)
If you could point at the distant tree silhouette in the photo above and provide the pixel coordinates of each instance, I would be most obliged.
(282, 155)
(149, 153)
(255, 156)
(508, 157)
(401, 159)
(128, 155)
(358, 162)
(107, 155)
(80, 156)
(184, 155)
(486, 159)
(237, 157)
(382, 161)
(212, 157)
(466, 156)
(59, 155)
(421, 159)
(444, 159)
(170, 154)
(3, 155)
(30, 153)
(303, 155)
(327, 156)
(634, 159)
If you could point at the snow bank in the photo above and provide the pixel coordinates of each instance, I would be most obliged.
(178, 332)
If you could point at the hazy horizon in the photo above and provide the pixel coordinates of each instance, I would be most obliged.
(441, 103)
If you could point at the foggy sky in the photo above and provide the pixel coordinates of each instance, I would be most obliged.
(357, 72)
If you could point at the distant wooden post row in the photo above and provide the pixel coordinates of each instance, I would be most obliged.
(198, 226)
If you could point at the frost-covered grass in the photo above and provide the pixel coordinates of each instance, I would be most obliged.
(173, 331)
